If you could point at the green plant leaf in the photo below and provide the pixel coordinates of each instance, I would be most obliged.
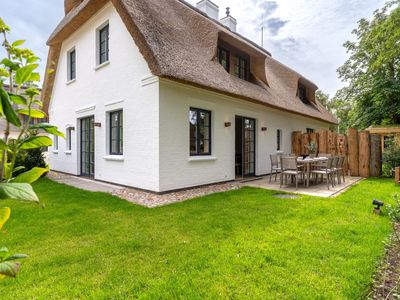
(5, 213)
(36, 142)
(34, 113)
(48, 128)
(24, 74)
(30, 176)
(9, 64)
(17, 169)
(18, 43)
(7, 109)
(18, 191)
(35, 77)
(3, 145)
(9, 268)
(15, 257)
(18, 99)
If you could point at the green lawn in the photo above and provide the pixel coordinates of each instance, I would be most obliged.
(240, 244)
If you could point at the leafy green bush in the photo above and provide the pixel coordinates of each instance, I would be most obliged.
(390, 159)
(29, 159)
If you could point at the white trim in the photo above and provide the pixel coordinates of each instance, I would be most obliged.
(55, 151)
(70, 82)
(85, 109)
(202, 158)
(98, 67)
(150, 79)
(114, 157)
(114, 103)
(68, 152)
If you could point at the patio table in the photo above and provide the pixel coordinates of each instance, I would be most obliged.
(307, 162)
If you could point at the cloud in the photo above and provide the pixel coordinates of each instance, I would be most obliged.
(274, 25)
(268, 7)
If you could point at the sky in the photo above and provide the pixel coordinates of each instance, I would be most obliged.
(306, 35)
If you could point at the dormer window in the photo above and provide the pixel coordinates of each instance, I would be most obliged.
(302, 93)
(223, 58)
(241, 68)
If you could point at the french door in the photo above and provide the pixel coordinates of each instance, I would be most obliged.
(87, 147)
(245, 147)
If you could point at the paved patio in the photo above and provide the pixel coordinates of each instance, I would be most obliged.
(319, 190)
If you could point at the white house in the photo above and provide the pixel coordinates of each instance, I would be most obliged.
(160, 95)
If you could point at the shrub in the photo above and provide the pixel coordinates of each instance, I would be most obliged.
(30, 159)
(390, 159)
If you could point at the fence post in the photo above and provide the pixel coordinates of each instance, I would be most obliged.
(376, 155)
(343, 151)
(332, 141)
(364, 154)
(314, 137)
(304, 143)
(296, 142)
(323, 141)
(352, 139)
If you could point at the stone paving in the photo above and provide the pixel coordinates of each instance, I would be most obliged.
(152, 200)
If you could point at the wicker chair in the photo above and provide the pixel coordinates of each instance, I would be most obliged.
(275, 166)
(325, 170)
(290, 167)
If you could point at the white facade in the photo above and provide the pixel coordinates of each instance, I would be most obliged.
(156, 152)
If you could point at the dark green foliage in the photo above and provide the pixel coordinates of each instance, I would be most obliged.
(391, 159)
(373, 71)
(30, 159)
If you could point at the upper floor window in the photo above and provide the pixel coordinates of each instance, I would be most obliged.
(71, 60)
(223, 58)
(302, 93)
(241, 66)
(116, 133)
(279, 140)
(200, 131)
(103, 44)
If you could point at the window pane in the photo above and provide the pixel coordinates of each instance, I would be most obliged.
(200, 131)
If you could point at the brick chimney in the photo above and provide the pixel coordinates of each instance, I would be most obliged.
(70, 5)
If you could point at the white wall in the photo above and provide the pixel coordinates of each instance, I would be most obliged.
(117, 85)
(179, 170)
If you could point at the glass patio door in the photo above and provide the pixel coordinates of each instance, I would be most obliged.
(87, 147)
(249, 147)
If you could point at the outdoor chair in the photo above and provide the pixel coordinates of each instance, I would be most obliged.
(340, 169)
(290, 166)
(335, 165)
(327, 155)
(275, 166)
(324, 170)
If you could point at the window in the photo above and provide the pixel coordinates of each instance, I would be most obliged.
(200, 132)
(103, 46)
(302, 93)
(69, 138)
(241, 68)
(55, 143)
(279, 140)
(71, 65)
(116, 133)
(310, 130)
(223, 58)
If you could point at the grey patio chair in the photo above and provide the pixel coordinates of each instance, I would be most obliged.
(335, 165)
(340, 169)
(324, 170)
(290, 167)
(275, 166)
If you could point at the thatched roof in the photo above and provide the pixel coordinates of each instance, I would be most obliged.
(180, 43)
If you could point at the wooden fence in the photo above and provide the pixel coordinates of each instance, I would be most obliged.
(362, 150)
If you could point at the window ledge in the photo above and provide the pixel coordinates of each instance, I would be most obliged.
(68, 152)
(201, 158)
(114, 158)
(71, 81)
(55, 151)
(98, 67)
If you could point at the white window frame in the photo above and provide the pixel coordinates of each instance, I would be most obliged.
(102, 26)
(69, 79)
(68, 139)
(55, 143)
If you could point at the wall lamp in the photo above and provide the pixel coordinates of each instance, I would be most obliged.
(264, 128)
(97, 124)
(228, 124)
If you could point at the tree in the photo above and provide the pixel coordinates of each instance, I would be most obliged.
(373, 70)
(18, 106)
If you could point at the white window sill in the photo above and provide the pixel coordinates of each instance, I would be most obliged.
(201, 158)
(114, 158)
(70, 81)
(69, 152)
(102, 65)
(55, 151)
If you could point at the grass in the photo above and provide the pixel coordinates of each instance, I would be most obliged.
(239, 244)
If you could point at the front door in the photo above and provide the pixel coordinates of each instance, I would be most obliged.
(87, 147)
(245, 146)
